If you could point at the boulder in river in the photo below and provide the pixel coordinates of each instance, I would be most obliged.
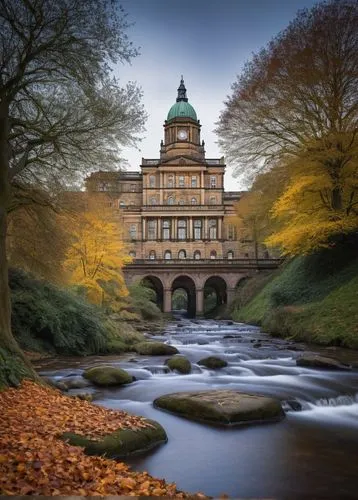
(212, 362)
(155, 348)
(179, 363)
(316, 361)
(121, 443)
(222, 407)
(108, 376)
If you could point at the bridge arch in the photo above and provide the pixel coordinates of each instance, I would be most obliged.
(215, 286)
(187, 284)
(156, 284)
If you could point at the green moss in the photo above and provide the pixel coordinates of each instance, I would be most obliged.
(212, 362)
(179, 363)
(107, 376)
(13, 369)
(121, 443)
(304, 302)
(155, 348)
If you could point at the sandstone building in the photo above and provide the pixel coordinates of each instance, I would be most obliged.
(175, 207)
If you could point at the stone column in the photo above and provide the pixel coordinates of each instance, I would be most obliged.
(202, 188)
(199, 301)
(219, 228)
(167, 306)
(159, 228)
(144, 235)
(190, 228)
(173, 228)
(206, 233)
(161, 185)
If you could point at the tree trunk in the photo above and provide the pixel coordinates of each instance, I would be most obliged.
(13, 364)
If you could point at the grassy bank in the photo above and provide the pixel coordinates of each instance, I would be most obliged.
(48, 319)
(312, 298)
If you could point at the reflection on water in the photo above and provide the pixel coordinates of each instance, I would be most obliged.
(310, 454)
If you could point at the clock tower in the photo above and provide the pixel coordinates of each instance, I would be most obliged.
(182, 130)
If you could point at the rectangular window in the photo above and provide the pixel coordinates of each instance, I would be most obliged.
(230, 232)
(152, 181)
(197, 229)
(166, 230)
(133, 231)
(181, 181)
(212, 229)
(170, 183)
(152, 230)
(133, 189)
(213, 181)
(182, 229)
(194, 181)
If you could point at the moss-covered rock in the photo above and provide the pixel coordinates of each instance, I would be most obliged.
(212, 362)
(179, 363)
(315, 361)
(155, 348)
(222, 407)
(121, 443)
(107, 376)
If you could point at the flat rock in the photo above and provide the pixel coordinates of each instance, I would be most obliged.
(212, 362)
(121, 443)
(108, 376)
(222, 407)
(180, 364)
(316, 361)
(155, 348)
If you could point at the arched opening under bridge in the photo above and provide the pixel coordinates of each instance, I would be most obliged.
(185, 285)
(215, 293)
(155, 284)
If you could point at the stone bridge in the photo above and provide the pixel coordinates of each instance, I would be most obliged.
(194, 276)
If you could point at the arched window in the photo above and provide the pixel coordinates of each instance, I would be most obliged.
(230, 255)
(212, 254)
(193, 201)
(153, 200)
(167, 255)
(181, 229)
(152, 255)
(152, 181)
(212, 229)
(212, 200)
(166, 229)
(170, 181)
(170, 200)
(182, 254)
(132, 254)
(197, 255)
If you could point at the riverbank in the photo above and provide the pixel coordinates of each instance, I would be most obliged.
(35, 461)
(312, 299)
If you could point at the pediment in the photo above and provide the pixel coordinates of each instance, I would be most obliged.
(183, 161)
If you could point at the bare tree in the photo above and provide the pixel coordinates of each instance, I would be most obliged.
(298, 98)
(61, 110)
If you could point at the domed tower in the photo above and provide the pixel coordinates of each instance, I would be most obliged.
(181, 130)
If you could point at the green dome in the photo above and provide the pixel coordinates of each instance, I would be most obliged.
(182, 109)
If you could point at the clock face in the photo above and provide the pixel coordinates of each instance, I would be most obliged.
(182, 134)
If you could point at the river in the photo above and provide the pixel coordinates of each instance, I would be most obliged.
(312, 453)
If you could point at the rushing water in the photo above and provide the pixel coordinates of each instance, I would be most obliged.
(312, 453)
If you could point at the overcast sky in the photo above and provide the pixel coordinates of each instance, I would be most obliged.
(208, 43)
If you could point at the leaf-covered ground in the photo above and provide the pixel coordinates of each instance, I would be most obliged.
(33, 461)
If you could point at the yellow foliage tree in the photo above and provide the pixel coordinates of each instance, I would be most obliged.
(97, 255)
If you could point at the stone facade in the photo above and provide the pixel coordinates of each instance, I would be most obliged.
(175, 207)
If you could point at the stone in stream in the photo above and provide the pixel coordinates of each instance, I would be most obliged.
(212, 362)
(316, 361)
(179, 363)
(121, 443)
(155, 348)
(222, 407)
(108, 376)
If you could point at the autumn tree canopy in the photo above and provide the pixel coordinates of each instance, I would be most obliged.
(296, 104)
(61, 110)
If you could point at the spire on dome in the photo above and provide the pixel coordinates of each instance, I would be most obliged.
(182, 91)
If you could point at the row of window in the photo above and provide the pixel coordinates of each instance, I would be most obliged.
(183, 255)
(179, 181)
(182, 230)
(171, 201)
